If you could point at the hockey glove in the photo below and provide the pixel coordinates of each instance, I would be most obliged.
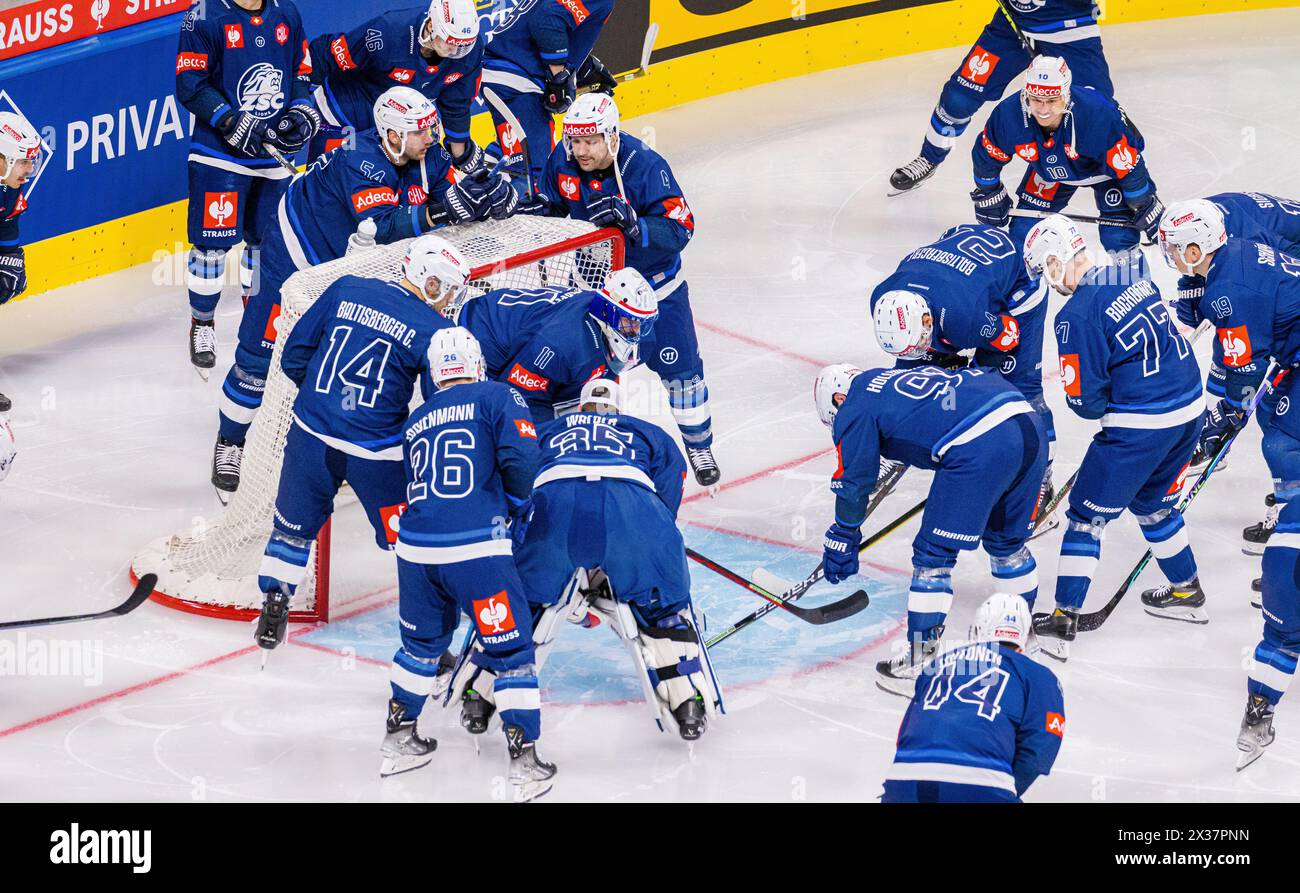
(536, 204)
(594, 74)
(1187, 307)
(1147, 212)
(521, 513)
(467, 200)
(299, 123)
(13, 274)
(470, 160)
(613, 210)
(559, 91)
(243, 132)
(1221, 421)
(840, 552)
(992, 205)
(502, 199)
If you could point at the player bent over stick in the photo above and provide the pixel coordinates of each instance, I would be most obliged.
(355, 356)
(603, 536)
(985, 721)
(1123, 362)
(471, 456)
(988, 449)
(384, 182)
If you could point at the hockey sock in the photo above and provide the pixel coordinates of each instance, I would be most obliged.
(203, 275)
(1167, 537)
(928, 600)
(246, 272)
(1271, 672)
(284, 563)
(1017, 574)
(241, 396)
(518, 700)
(690, 404)
(1080, 554)
(945, 127)
(412, 680)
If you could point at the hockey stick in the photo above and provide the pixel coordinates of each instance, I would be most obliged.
(280, 159)
(816, 576)
(1077, 218)
(819, 616)
(1092, 621)
(1024, 41)
(143, 590)
(491, 98)
(647, 47)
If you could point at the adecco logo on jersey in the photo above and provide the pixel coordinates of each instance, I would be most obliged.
(369, 198)
(191, 62)
(342, 55)
(529, 381)
(576, 9)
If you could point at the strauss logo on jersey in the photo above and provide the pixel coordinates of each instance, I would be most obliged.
(234, 36)
(1070, 375)
(369, 198)
(1236, 346)
(570, 187)
(1028, 151)
(980, 65)
(391, 517)
(1009, 337)
(1122, 158)
(220, 210)
(495, 621)
(675, 209)
(1040, 188)
(1178, 481)
(402, 75)
(260, 90)
(508, 139)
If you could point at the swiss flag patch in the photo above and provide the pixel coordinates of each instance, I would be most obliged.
(570, 187)
(1009, 338)
(1041, 188)
(390, 516)
(220, 210)
(492, 614)
(1122, 158)
(994, 152)
(979, 66)
(234, 36)
(675, 209)
(1070, 375)
(526, 428)
(1235, 342)
(1056, 724)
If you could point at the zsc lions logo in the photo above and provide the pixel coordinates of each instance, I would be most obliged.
(260, 93)
(1028, 5)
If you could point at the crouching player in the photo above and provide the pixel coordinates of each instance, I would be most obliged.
(604, 516)
(471, 455)
(985, 720)
(988, 450)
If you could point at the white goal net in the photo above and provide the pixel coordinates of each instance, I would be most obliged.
(214, 571)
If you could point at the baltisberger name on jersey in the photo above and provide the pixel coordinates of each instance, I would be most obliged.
(963, 265)
(461, 412)
(381, 322)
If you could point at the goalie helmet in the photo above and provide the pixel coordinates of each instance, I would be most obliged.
(434, 256)
(626, 310)
(455, 23)
(1002, 618)
(831, 381)
(404, 110)
(1054, 237)
(455, 353)
(18, 139)
(591, 114)
(1197, 222)
(904, 325)
(602, 392)
(1048, 77)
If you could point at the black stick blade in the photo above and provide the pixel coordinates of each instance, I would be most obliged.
(835, 611)
(143, 590)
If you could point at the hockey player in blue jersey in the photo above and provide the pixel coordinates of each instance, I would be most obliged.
(605, 504)
(1070, 138)
(538, 56)
(985, 720)
(387, 182)
(435, 50)
(355, 356)
(548, 341)
(1065, 28)
(20, 152)
(1123, 362)
(968, 291)
(988, 450)
(238, 70)
(471, 456)
(643, 199)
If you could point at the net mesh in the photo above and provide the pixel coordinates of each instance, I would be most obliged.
(214, 571)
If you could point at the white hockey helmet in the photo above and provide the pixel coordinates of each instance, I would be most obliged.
(904, 325)
(18, 139)
(1053, 237)
(452, 22)
(830, 381)
(1048, 77)
(602, 392)
(432, 255)
(406, 111)
(1196, 222)
(591, 114)
(455, 353)
(1002, 618)
(626, 310)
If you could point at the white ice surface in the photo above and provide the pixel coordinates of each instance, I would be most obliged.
(787, 182)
